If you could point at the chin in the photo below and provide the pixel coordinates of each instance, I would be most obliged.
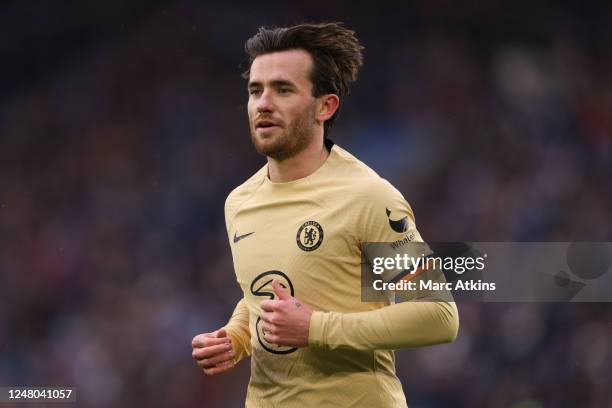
(265, 146)
(267, 141)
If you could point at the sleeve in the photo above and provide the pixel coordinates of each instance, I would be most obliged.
(386, 226)
(237, 327)
(402, 325)
(238, 330)
(386, 217)
(386, 214)
(228, 210)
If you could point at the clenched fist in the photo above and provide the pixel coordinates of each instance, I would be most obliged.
(286, 320)
(213, 352)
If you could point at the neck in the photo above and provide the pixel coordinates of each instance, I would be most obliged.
(299, 166)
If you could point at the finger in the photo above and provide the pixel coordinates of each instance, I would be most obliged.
(202, 342)
(269, 305)
(267, 328)
(272, 338)
(221, 368)
(208, 352)
(267, 316)
(201, 339)
(280, 291)
(217, 360)
(198, 341)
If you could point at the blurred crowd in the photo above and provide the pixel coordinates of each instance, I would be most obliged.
(494, 121)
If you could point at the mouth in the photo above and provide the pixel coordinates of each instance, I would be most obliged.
(265, 125)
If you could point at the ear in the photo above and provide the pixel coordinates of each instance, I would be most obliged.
(328, 105)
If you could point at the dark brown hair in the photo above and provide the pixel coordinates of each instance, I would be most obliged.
(335, 50)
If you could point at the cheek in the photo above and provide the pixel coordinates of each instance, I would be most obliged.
(250, 111)
(292, 113)
(299, 115)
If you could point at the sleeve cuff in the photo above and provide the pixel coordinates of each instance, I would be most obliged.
(316, 331)
(237, 344)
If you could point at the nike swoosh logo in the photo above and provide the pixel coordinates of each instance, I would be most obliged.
(239, 237)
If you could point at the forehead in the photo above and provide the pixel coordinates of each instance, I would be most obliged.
(293, 65)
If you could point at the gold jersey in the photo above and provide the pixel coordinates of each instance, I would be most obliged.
(306, 234)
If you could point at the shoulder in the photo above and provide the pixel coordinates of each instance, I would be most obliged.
(364, 182)
(377, 211)
(243, 192)
(348, 166)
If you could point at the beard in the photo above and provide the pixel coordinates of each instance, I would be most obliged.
(287, 141)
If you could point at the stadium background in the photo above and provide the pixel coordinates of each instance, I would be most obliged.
(123, 128)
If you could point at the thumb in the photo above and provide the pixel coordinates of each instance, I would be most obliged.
(221, 333)
(281, 292)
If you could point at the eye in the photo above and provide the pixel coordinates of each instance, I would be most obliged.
(254, 92)
(284, 90)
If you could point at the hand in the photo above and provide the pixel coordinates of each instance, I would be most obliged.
(286, 321)
(213, 352)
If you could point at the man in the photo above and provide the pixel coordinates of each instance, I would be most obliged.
(295, 230)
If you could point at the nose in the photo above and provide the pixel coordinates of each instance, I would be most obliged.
(264, 102)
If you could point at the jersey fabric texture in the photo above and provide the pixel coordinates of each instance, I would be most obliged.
(306, 234)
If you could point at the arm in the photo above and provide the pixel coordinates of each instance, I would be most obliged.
(238, 330)
(386, 217)
(418, 323)
(402, 325)
(421, 322)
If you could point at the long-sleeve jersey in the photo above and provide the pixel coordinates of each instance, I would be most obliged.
(307, 234)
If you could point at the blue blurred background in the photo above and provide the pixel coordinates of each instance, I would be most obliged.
(123, 128)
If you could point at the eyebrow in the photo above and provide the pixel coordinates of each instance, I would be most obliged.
(277, 83)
